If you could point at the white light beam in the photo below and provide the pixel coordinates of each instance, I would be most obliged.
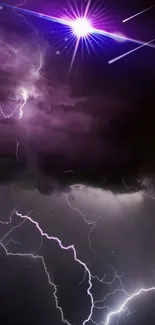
(139, 13)
(129, 52)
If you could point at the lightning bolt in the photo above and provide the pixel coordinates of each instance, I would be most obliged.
(17, 150)
(22, 93)
(18, 7)
(41, 61)
(125, 303)
(39, 257)
(65, 248)
(10, 219)
(116, 276)
(12, 241)
(137, 189)
(16, 51)
(4, 242)
(93, 224)
(22, 98)
(104, 281)
(36, 35)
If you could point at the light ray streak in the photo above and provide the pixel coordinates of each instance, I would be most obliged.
(122, 37)
(74, 54)
(35, 14)
(75, 13)
(68, 22)
(139, 13)
(76, 8)
(129, 52)
(87, 8)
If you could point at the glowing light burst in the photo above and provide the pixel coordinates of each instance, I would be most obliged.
(82, 27)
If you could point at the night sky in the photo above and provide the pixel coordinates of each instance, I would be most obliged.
(77, 168)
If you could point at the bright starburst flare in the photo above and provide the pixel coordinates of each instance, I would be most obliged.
(82, 27)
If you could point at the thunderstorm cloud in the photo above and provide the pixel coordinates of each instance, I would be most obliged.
(72, 132)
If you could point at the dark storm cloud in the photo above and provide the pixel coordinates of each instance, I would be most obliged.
(94, 129)
(85, 145)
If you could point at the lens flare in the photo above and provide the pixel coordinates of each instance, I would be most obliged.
(84, 28)
(81, 27)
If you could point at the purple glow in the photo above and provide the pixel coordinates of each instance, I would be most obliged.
(119, 37)
(81, 27)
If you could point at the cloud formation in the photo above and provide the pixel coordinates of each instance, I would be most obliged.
(92, 137)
